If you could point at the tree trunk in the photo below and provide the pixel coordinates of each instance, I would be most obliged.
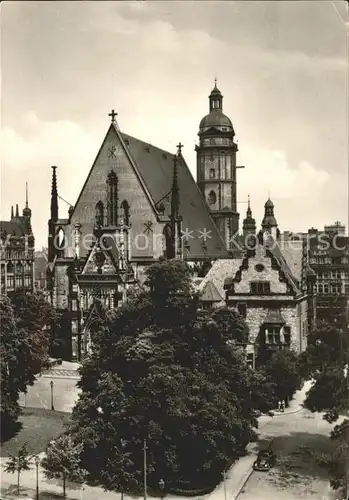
(64, 486)
(18, 475)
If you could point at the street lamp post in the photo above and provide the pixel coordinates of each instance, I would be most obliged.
(37, 463)
(51, 385)
(123, 444)
(145, 467)
(224, 474)
(162, 488)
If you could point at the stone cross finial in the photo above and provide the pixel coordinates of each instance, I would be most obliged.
(112, 115)
(179, 146)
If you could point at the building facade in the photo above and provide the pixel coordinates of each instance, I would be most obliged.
(17, 252)
(328, 252)
(40, 267)
(272, 287)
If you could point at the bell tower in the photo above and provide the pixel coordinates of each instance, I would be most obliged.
(216, 167)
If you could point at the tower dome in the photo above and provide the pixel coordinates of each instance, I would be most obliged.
(216, 118)
(269, 223)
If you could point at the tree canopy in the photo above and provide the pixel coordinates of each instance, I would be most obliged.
(24, 342)
(163, 370)
(282, 372)
(325, 361)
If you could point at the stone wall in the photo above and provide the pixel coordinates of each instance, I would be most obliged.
(256, 315)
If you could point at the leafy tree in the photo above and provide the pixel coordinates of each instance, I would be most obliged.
(24, 341)
(18, 463)
(35, 316)
(282, 371)
(62, 461)
(231, 323)
(339, 463)
(165, 371)
(14, 374)
(325, 361)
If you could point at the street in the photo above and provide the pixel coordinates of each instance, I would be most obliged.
(296, 475)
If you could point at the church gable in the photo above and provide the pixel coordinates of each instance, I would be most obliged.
(115, 160)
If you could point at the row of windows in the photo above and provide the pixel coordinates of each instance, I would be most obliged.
(19, 281)
(101, 218)
(260, 287)
(217, 141)
(15, 268)
(325, 288)
(333, 274)
(12, 255)
(328, 260)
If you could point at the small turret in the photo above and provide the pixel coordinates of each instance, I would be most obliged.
(27, 213)
(249, 223)
(269, 224)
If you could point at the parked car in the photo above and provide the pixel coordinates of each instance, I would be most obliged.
(265, 460)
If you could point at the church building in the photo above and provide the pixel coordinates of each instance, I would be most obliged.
(138, 204)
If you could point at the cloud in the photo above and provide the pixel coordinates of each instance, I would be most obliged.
(64, 144)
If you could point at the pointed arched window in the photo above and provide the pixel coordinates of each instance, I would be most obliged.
(112, 182)
(125, 212)
(212, 173)
(99, 214)
(212, 198)
(169, 242)
(60, 242)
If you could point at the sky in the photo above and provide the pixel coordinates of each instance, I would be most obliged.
(282, 67)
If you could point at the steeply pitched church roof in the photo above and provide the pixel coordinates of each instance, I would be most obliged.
(156, 169)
